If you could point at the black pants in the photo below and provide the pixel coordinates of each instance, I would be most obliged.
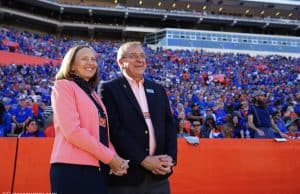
(148, 186)
(269, 134)
(77, 179)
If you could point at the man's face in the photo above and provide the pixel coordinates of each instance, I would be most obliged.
(23, 103)
(261, 98)
(277, 116)
(195, 107)
(134, 62)
(293, 127)
(197, 127)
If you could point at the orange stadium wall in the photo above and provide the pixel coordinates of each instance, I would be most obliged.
(8, 148)
(213, 166)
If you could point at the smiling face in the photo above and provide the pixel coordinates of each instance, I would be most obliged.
(85, 63)
(133, 63)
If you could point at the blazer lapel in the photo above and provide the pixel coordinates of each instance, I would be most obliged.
(127, 89)
(150, 95)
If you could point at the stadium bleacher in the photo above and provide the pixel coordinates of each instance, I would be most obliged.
(189, 76)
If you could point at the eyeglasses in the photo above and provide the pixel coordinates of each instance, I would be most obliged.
(196, 125)
(136, 56)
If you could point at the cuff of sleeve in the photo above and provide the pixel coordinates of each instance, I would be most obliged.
(106, 155)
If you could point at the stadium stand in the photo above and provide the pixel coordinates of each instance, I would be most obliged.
(189, 76)
(129, 19)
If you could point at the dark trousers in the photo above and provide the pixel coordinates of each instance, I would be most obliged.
(77, 179)
(148, 186)
(269, 134)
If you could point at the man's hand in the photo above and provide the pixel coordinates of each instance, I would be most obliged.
(260, 132)
(283, 135)
(160, 164)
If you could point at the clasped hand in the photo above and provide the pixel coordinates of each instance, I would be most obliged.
(159, 164)
(118, 166)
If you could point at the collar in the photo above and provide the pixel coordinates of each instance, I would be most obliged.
(132, 81)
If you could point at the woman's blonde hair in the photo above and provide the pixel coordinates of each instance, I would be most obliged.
(66, 72)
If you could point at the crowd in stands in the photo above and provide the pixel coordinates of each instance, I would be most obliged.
(210, 93)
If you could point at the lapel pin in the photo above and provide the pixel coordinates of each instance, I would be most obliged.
(150, 91)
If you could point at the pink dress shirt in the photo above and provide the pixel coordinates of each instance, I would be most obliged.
(140, 95)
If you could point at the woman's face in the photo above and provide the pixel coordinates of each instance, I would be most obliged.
(181, 123)
(85, 63)
(32, 127)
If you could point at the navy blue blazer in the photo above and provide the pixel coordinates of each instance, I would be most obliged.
(129, 131)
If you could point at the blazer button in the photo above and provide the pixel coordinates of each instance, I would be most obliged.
(146, 131)
(147, 150)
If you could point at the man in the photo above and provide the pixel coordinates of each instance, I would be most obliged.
(195, 114)
(196, 129)
(21, 115)
(141, 126)
(278, 120)
(239, 119)
(259, 118)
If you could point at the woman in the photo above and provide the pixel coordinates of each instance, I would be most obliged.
(208, 126)
(5, 121)
(31, 129)
(183, 128)
(82, 152)
(179, 112)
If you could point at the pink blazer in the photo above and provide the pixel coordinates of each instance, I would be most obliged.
(76, 126)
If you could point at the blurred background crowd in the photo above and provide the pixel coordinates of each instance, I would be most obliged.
(210, 93)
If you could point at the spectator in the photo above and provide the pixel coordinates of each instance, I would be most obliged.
(290, 112)
(293, 128)
(5, 121)
(208, 125)
(219, 111)
(196, 129)
(49, 127)
(209, 111)
(21, 114)
(31, 129)
(227, 127)
(279, 122)
(259, 118)
(182, 128)
(179, 112)
(217, 131)
(195, 114)
(239, 120)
